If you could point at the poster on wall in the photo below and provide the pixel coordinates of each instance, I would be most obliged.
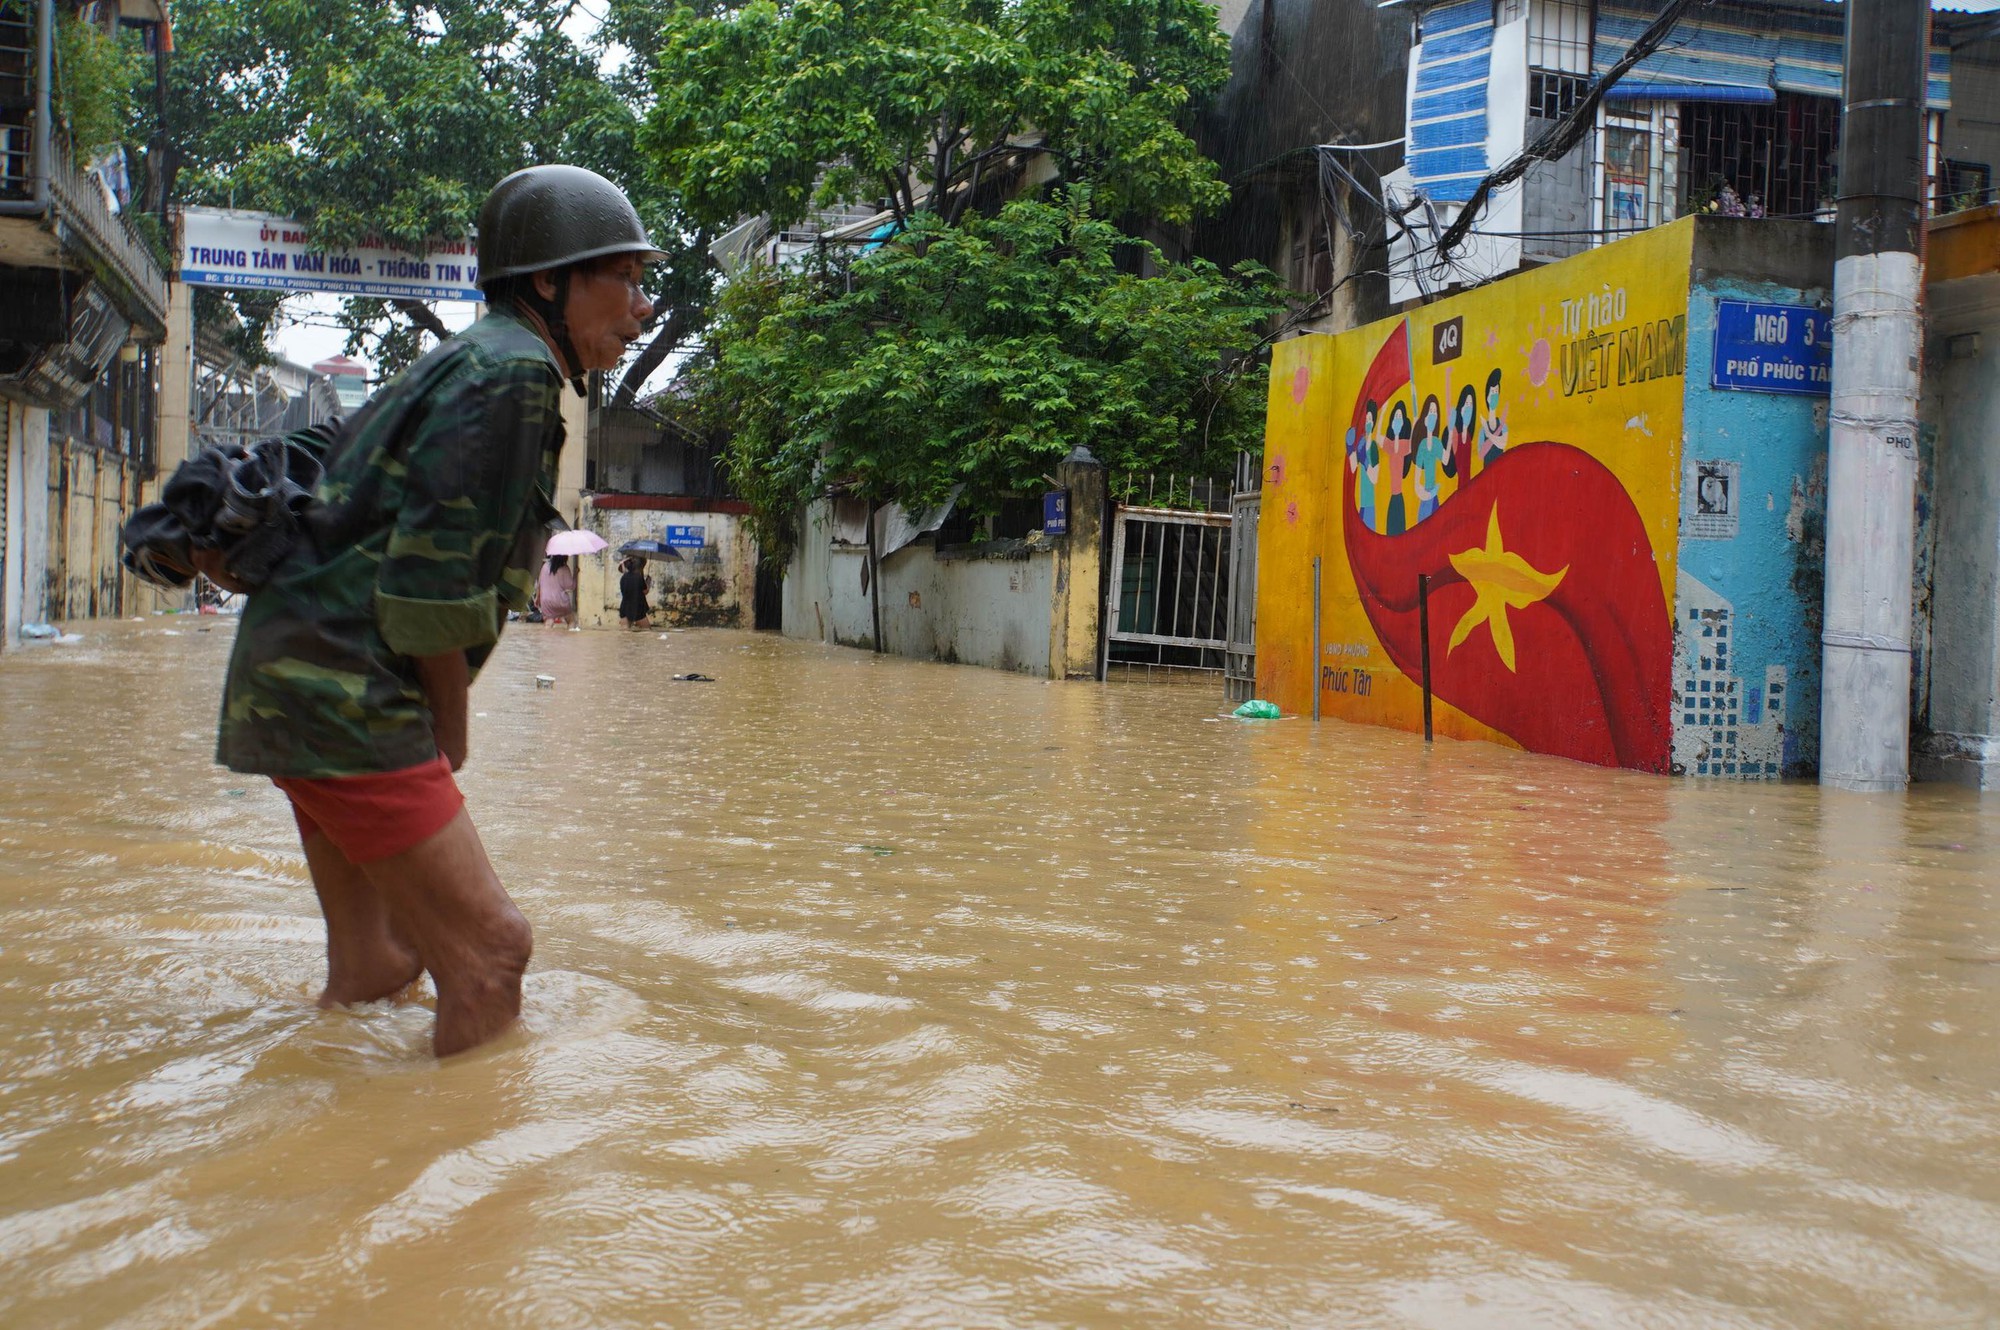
(1710, 496)
(1532, 481)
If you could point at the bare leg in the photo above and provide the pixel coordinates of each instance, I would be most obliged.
(366, 959)
(444, 897)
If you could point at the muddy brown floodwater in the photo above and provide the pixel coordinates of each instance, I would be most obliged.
(875, 993)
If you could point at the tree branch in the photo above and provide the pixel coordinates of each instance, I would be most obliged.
(417, 312)
(673, 330)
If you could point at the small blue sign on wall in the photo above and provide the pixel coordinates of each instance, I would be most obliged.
(687, 537)
(1773, 349)
(1055, 513)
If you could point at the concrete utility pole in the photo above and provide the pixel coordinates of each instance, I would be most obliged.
(1877, 349)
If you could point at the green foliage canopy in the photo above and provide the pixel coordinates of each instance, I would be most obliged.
(979, 355)
(777, 108)
(392, 118)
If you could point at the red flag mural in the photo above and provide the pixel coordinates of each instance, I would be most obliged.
(1547, 618)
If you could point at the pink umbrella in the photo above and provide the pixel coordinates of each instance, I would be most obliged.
(576, 542)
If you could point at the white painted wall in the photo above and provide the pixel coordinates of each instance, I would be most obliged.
(992, 612)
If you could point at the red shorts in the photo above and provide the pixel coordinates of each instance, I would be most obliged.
(375, 816)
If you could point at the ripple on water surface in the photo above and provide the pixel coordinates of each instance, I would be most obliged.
(873, 993)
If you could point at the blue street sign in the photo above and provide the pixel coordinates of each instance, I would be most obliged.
(1773, 349)
(687, 537)
(1055, 513)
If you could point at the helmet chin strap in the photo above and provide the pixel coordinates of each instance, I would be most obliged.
(553, 317)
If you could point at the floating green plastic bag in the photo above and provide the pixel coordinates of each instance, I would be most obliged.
(1258, 709)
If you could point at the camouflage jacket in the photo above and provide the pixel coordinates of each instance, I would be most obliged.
(428, 529)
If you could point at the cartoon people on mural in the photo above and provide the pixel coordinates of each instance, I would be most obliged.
(1553, 632)
(1363, 461)
(1382, 454)
(1396, 466)
(1493, 434)
(1464, 429)
(1430, 457)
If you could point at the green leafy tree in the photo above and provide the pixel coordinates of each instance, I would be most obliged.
(989, 337)
(394, 119)
(979, 355)
(776, 108)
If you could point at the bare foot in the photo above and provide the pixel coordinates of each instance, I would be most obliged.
(443, 897)
(470, 1013)
(391, 971)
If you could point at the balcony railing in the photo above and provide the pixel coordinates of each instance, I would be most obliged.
(84, 222)
(40, 183)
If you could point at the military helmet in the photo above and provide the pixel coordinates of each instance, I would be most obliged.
(552, 216)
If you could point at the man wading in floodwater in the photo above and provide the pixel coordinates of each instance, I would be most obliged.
(348, 681)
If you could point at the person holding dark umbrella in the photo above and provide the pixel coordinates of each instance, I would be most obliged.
(633, 611)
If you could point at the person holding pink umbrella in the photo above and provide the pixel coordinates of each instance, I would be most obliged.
(556, 591)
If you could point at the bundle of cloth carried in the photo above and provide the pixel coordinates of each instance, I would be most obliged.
(242, 501)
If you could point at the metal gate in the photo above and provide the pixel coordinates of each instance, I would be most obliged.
(1170, 584)
(1239, 670)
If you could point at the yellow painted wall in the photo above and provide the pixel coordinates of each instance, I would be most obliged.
(1551, 560)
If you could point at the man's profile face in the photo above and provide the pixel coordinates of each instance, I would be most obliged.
(606, 309)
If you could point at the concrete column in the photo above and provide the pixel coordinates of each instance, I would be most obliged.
(593, 574)
(1077, 607)
(176, 431)
(13, 558)
(31, 483)
(576, 449)
(1872, 444)
(176, 386)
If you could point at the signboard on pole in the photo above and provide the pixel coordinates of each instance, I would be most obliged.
(254, 249)
(1772, 349)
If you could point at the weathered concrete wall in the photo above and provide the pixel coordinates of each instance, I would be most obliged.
(1302, 72)
(1958, 731)
(710, 587)
(967, 609)
(972, 609)
(1748, 603)
(1972, 125)
(91, 495)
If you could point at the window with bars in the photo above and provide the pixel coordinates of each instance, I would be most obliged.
(1553, 95)
(1559, 35)
(1555, 207)
(1965, 185)
(1777, 160)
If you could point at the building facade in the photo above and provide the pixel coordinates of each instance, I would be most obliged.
(85, 306)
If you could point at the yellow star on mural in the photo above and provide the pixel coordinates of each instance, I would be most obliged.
(1500, 581)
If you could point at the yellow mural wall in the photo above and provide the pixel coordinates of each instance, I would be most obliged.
(1517, 446)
